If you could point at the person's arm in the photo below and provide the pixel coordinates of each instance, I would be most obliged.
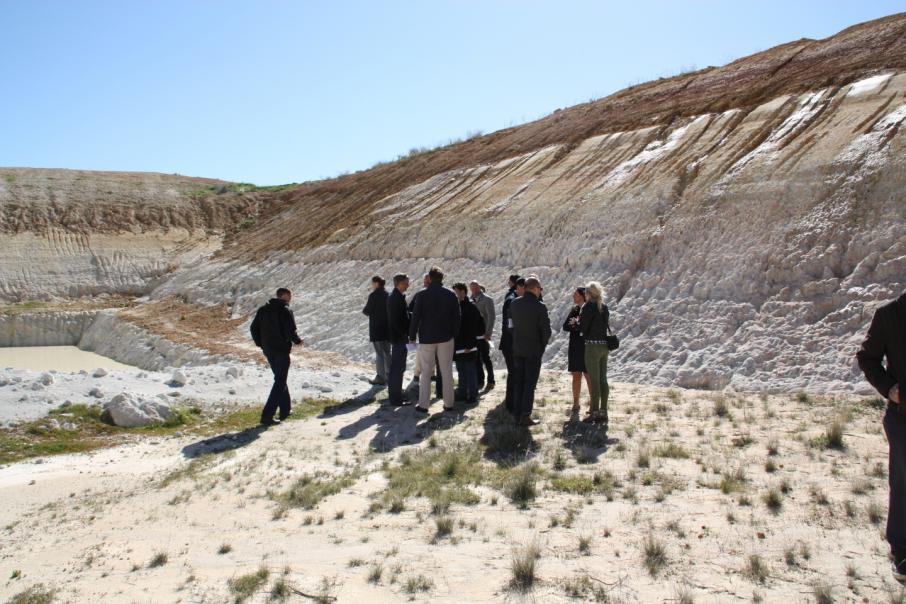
(368, 305)
(871, 355)
(255, 329)
(455, 313)
(545, 326)
(489, 322)
(416, 319)
(585, 319)
(290, 325)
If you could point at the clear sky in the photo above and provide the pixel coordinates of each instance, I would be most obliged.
(271, 92)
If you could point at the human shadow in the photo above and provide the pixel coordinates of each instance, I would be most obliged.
(587, 442)
(506, 443)
(351, 404)
(223, 442)
(396, 426)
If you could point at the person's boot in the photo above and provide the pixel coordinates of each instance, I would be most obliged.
(898, 567)
(528, 420)
(270, 421)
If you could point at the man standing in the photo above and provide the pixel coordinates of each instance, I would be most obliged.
(471, 331)
(516, 284)
(274, 331)
(531, 333)
(378, 332)
(398, 322)
(485, 308)
(887, 338)
(435, 322)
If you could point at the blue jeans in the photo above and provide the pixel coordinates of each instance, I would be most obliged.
(468, 378)
(279, 396)
(397, 369)
(526, 371)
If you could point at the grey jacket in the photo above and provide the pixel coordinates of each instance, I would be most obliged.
(485, 308)
(531, 326)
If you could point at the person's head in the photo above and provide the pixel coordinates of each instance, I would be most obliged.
(436, 275)
(595, 293)
(519, 284)
(512, 280)
(284, 294)
(377, 282)
(533, 286)
(460, 289)
(426, 280)
(579, 296)
(476, 289)
(401, 282)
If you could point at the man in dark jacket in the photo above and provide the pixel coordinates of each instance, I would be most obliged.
(516, 284)
(471, 331)
(274, 331)
(435, 321)
(378, 332)
(398, 324)
(887, 339)
(531, 333)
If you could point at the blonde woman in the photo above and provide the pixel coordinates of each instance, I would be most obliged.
(593, 321)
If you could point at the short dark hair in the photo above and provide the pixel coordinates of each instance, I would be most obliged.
(581, 291)
(515, 278)
(379, 280)
(520, 282)
(436, 274)
(532, 282)
(399, 278)
(282, 291)
(460, 286)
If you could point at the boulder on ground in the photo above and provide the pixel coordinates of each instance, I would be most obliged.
(129, 410)
(96, 393)
(234, 372)
(46, 379)
(178, 379)
(99, 372)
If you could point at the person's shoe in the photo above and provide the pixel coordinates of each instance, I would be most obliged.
(420, 409)
(377, 382)
(284, 416)
(270, 422)
(449, 409)
(528, 420)
(898, 566)
(489, 387)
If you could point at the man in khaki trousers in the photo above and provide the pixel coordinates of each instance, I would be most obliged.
(435, 322)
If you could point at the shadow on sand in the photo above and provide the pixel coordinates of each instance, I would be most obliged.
(586, 442)
(506, 444)
(223, 442)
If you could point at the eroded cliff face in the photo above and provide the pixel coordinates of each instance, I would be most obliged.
(745, 222)
(743, 248)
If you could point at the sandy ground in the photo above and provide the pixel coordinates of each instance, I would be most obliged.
(90, 525)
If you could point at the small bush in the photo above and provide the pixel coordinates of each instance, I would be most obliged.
(672, 451)
(245, 586)
(823, 592)
(159, 559)
(585, 544)
(655, 554)
(522, 488)
(523, 566)
(773, 499)
(225, 548)
(755, 569)
(375, 573)
(720, 407)
(416, 584)
(36, 594)
(875, 512)
(444, 527)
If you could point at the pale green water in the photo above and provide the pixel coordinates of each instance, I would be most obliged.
(61, 358)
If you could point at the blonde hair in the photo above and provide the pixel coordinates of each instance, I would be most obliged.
(595, 293)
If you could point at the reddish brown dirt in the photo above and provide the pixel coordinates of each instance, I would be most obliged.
(307, 215)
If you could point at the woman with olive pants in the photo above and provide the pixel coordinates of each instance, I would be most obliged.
(593, 321)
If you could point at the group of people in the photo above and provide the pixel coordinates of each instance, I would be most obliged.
(450, 326)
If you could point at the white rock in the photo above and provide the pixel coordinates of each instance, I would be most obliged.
(131, 411)
(99, 372)
(234, 371)
(53, 424)
(324, 388)
(46, 379)
(37, 386)
(96, 393)
(232, 391)
(178, 379)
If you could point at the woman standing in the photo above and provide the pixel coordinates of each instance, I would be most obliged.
(593, 322)
(576, 356)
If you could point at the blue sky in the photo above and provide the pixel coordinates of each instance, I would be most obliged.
(271, 92)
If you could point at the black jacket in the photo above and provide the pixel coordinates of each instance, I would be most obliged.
(274, 327)
(531, 326)
(435, 315)
(376, 310)
(397, 317)
(471, 327)
(573, 328)
(506, 332)
(592, 323)
(886, 338)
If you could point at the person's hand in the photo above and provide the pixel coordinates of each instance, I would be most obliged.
(894, 394)
(487, 338)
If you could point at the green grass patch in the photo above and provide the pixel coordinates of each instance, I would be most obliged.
(582, 484)
(245, 586)
(309, 490)
(443, 475)
(36, 594)
(672, 451)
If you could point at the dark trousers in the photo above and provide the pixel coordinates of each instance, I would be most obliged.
(510, 369)
(526, 371)
(895, 428)
(483, 363)
(279, 396)
(397, 368)
(468, 379)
